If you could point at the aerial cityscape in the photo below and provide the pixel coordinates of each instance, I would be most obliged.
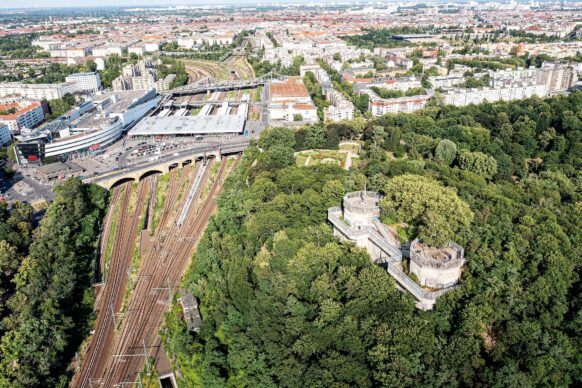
(290, 194)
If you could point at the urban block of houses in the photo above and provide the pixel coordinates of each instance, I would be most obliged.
(289, 99)
(381, 106)
(141, 76)
(20, 115)
(341, 108)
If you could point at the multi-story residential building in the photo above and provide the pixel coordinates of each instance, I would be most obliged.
(463, 97)
(151, 47)
(88, 82)
(23, 115)
(37, 91)
(446, 81)
(141, 76)
(105, 51)
(381, 106)
(71, 52)
(5, 134)
(402, 83)
(137, 50)
(556, 77)
(289, 98)
(342, 110)
(163, 85)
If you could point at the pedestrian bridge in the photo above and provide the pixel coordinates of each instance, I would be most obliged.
(163, 165)
(216, 87)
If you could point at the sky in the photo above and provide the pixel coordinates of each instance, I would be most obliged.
(103, 3)
(129, 3)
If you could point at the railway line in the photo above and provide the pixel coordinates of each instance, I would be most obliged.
(116, 357)
(111, 295)
(154, 292)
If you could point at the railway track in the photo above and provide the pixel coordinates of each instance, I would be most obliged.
(111, 296)
(160, 273)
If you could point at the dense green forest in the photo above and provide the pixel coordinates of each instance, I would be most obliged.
(45, 284)
(285, 304)
(382, 37)
(20, 46)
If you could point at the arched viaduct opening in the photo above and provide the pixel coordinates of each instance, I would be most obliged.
(121, 181)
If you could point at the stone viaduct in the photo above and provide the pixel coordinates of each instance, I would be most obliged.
(163, 165)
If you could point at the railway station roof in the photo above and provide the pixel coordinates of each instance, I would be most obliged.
(189, 125)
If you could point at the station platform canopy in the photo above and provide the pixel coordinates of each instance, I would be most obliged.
(189, 125)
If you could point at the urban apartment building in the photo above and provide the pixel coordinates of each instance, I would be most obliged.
(556, 77)
(463, 97)
(23, 115)
(141, 76)
(5, 134)
(381, 106)
(289, 99)
(86, 82)
(342, 109)
(37, 91)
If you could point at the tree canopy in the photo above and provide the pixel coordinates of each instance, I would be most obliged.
(48, 311)
(286, 304)
(435, 211)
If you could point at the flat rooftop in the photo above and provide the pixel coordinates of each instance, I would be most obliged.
(292, 87)
(188, 125)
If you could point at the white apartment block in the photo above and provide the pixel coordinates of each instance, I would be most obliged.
(381, 106)
(151, 47)
(556, 77)
(87, 82)
(69, 52)
(163, 85)
(137, 50)
(105, 51)
(37, 91)
(402, 84)
(446, 81)
(343, 110)
(27, 115)
(5, 134)
(463, 97)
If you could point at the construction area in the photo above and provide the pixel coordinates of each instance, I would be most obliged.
(149, 235)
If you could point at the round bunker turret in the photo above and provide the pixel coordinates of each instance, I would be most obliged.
(436, 267)
(361, 208)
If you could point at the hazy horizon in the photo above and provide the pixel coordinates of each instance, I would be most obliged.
(23, 4)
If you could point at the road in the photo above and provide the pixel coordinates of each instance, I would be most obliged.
(176, 156)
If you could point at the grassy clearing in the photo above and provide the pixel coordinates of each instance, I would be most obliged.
(209, 182)
(195, 111)
(161, 191)
(111, 238)
(257, 94)
(135, 262)
(243, 68)
(351, 146)
(315, 157)
(185, 170)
